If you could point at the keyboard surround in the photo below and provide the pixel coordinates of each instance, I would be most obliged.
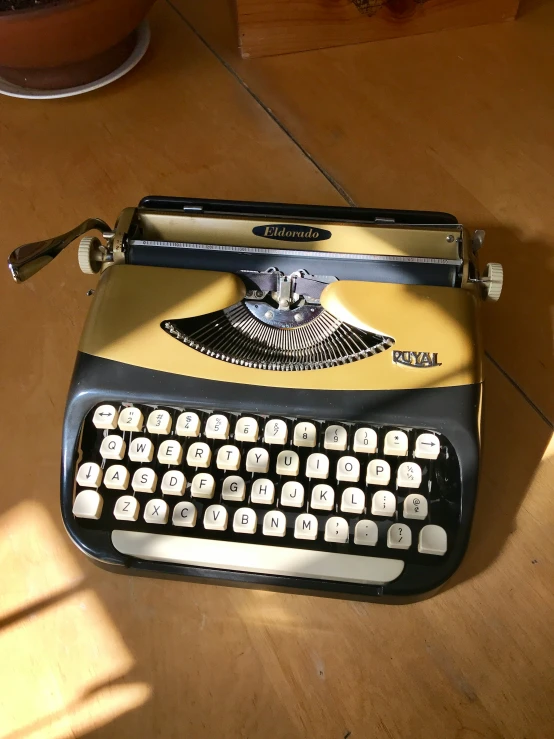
(440, 484)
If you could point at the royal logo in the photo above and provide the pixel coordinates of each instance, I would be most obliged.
(420, 360)
(290, 232)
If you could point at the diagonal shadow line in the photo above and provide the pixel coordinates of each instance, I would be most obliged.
(533, 405)
(89, 693)
(39, 605)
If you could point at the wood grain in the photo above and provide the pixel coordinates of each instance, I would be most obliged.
(457, 121)
(269, 27)
(86, 653)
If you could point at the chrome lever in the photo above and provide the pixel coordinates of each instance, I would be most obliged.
(28, 259)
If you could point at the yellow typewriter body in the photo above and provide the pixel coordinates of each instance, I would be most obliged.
(275, 395)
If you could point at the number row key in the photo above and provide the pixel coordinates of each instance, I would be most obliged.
(217, 426)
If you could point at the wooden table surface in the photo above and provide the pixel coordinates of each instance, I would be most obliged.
(458, 121)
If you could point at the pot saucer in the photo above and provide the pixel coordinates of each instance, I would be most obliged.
(143, 39)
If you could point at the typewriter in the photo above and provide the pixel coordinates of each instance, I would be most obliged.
(278, 396)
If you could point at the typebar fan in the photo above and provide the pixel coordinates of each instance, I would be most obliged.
(279, 329)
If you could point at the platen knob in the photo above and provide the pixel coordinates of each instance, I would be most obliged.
(493, 279)
(90, 255)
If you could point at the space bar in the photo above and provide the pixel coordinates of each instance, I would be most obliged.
(266, 560)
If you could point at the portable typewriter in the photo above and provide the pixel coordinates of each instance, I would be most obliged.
(276, 395)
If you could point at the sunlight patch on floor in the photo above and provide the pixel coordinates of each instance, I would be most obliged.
(63, 659)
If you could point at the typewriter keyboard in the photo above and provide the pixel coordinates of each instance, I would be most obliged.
(351, 502)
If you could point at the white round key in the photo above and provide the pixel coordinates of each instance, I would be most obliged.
(188, 424)
(117, 477)
(399, 536)
(112, 447)
(159, 422)
(336, 530)
(228, 457)
(427, 446)
(275, 524)
(432, 540)
(216, 518)
(173, 483)
(317, 466)
(126, 508)
(275, 432)
(257, 460)
(89, 475)
(408, 475)
(141, 449)
(288, 463)
(144, 480)
(199, 454)
(170, 452)
(336, 437)
(156, 511)
(305, 526)
(131, 419)
(184, 514)
(292, 494)
(378, 472)
(217, 427)
(396, 443)
(263, 491)
(353, 500)
(88, 504)
(305, 434)
(246, 429)
(365, 441)
(348, 469)
(366, 533)
(383, 504)
(415, 506)
(105, 417)
(245, 521)
(323, 497)
(202, 485)
(233, 488)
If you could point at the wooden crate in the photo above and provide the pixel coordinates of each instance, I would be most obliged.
(269, 27)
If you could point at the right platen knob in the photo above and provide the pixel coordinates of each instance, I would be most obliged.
(493, 279)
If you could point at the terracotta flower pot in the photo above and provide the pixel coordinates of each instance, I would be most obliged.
(69, 43)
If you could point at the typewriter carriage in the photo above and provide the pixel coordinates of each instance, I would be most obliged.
(144, 224)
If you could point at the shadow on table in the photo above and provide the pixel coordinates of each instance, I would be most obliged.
(515, 433)
(514, 440)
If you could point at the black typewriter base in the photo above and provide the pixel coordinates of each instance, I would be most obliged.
(452, 411)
